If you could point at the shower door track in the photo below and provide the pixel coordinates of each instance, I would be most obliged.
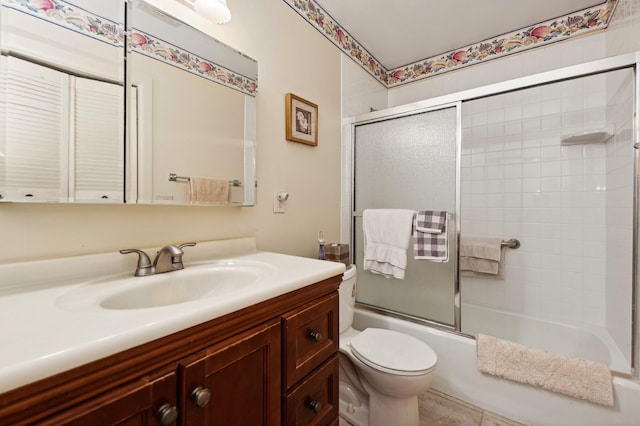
(412, 318)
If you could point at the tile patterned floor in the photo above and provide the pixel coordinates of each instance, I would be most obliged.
(438, 409)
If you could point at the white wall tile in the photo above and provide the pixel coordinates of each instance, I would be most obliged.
(552, 197)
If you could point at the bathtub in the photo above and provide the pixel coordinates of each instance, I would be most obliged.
(457, 375)
(582, 341)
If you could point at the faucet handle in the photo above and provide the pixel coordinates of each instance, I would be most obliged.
(176, 259)
(183, 245)
(144, 266)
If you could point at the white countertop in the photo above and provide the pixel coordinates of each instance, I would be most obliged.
(41, 336)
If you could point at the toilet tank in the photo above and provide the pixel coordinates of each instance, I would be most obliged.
(347, 298)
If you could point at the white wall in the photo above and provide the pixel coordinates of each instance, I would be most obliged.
(360, 91)
(623, 30)
(276, 36)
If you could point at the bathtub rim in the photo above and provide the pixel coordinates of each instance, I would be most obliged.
(448, 328)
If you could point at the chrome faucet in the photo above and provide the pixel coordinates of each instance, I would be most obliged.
(168, 258)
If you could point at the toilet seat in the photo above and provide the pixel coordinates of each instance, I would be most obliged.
(393, 352)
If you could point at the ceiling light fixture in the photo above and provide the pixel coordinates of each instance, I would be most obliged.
(216, 10)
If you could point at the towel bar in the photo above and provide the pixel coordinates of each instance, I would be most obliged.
(174, 178)
(359, 214)
(512, 243)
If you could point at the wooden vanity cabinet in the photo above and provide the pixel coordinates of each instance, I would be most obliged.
(235, 382)
(271, 363)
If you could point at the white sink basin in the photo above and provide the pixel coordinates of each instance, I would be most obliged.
(217, 279)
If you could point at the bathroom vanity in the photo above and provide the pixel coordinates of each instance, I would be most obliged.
(272, 361)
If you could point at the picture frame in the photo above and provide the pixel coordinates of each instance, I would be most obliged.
(301, 120)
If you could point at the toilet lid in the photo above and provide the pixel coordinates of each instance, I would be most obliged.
(390, 350)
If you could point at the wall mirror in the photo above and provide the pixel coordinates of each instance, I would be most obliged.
(191, 111)
(68, 133)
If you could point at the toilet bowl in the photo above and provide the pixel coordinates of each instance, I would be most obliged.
(382, 372)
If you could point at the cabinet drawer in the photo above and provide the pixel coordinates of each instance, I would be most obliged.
(310, 336)
(315, 400)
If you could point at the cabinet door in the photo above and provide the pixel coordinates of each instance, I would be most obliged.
(34, 144)
(134, 404)
(235, 382)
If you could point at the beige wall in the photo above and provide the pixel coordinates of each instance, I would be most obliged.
(292, 57)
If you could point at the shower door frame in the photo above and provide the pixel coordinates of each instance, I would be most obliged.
(626, 61)
(455, 328)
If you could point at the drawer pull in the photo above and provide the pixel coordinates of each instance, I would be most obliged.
(316, 336)
(167, 414)
(316, 406)
(200, 396)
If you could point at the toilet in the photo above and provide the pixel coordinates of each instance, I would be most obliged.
(382, 372)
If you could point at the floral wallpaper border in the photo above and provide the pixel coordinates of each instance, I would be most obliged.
(541, 34)
(168, 53)
(73, 18)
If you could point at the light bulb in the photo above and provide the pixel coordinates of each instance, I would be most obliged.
(216, 10)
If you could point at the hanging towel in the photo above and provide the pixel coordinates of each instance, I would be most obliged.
(482, 257)
(387, 233)
(208, 191)
(571, 376)
(430, 240)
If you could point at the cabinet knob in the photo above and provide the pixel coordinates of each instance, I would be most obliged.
(316, 336)
(167, 414)
(200, 396)
(316, 406)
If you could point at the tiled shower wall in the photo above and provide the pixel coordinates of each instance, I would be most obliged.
(517, 181)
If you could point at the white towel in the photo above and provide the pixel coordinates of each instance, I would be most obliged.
(206, 190)
(387, 234)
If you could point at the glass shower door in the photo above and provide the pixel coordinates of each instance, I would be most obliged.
(409, 162)
(553, 166)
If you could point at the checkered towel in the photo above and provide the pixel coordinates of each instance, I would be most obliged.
(430, 240)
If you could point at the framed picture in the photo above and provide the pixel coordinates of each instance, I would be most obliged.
(302, 120)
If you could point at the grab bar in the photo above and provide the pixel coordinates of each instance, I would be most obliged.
(174, 178)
